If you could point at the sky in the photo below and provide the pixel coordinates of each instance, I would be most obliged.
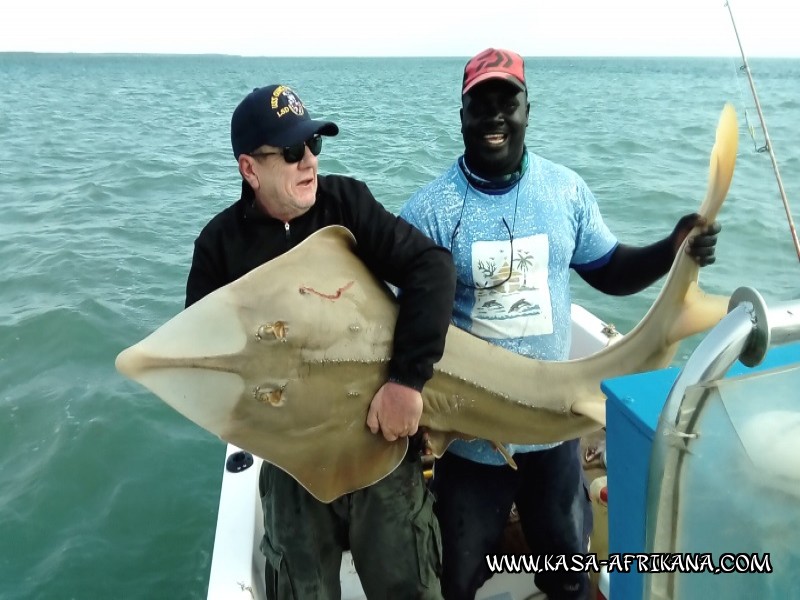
(403, 27)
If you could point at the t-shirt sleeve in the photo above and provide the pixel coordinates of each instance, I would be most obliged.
(594, 243)
(418, 212)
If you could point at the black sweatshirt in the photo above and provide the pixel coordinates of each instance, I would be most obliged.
(242, 237)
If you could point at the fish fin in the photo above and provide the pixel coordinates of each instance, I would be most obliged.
(438, 441)
(723, 160)
(592, 409)
(509, 459)
(700, 312)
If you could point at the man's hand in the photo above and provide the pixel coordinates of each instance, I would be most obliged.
(700, 247)
(395, 411)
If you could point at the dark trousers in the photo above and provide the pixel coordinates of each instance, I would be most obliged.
(473, 502)
(389, 528)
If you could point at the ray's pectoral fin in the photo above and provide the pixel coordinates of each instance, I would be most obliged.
(700, 312)
(592, 409)
(345, 465)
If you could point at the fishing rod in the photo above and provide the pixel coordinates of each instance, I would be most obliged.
(767, 141)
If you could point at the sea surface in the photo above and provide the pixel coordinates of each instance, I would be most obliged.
(110, 166)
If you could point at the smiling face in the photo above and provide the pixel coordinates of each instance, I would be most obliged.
(283, 190)
(494, 116)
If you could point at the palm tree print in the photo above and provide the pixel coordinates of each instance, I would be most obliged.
(524, 264)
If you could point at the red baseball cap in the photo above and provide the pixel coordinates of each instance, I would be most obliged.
(494, 64)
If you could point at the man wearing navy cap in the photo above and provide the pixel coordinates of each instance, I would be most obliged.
(515, 224)
(389, 526)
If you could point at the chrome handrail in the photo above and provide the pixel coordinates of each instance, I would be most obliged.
(746, 333)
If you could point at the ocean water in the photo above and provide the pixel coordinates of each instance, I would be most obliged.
(109, 167)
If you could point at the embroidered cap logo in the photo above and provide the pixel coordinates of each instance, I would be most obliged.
(284, 100)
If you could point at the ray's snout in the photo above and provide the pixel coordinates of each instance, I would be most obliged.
(210, 327)
(130, 362)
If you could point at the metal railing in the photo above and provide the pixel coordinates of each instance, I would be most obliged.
(746, 334)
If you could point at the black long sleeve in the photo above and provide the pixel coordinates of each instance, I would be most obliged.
(631, 269)
(242, 238)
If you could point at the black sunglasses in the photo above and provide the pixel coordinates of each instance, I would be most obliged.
(487, 286)
(295, 152)
(490, 270)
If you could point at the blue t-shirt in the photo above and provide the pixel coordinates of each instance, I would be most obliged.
(516, 246)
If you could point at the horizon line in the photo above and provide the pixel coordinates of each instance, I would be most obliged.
(373, 56)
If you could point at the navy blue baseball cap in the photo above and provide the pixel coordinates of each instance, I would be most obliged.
(275, 116)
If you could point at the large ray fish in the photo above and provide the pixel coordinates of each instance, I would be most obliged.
(284, 361)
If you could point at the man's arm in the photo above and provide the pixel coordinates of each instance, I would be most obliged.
(423, 271)
(398, 253)
(204, 275)
(631, 269)
(427, 289)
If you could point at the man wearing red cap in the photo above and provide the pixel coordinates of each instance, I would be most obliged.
(389, 527)
(516, 224)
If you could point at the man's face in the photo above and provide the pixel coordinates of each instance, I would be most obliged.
(494, 116)
(285, 190)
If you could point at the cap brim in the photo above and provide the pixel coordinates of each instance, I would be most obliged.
(494, 75)
(302, 131)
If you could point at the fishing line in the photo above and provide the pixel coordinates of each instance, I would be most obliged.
(737, 70)
(767, 141)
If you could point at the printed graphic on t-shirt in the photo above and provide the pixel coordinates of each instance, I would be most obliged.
(513, 299)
